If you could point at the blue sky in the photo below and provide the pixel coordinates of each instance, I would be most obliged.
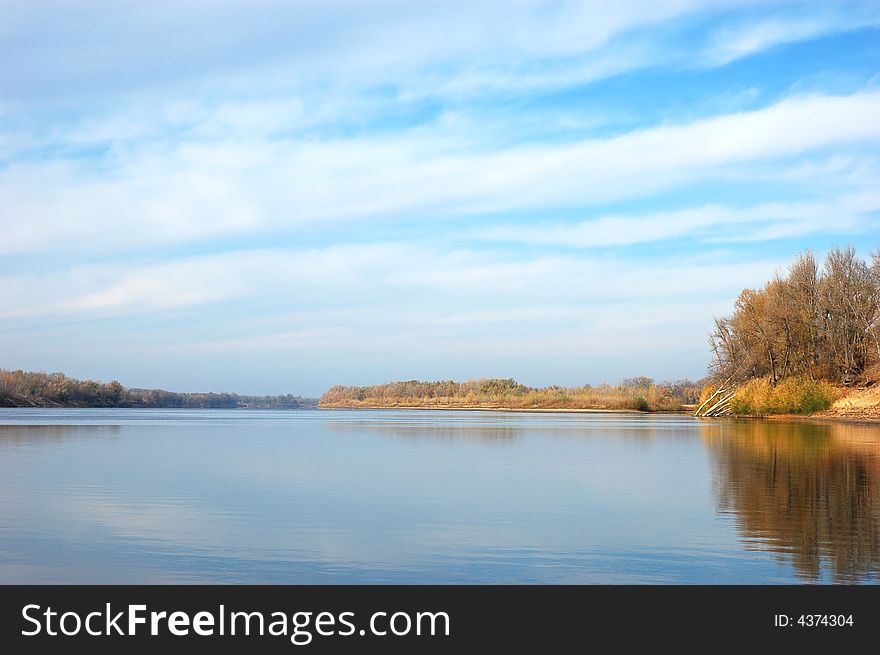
(275, 197)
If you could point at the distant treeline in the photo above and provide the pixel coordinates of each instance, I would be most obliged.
(28, 389)
(635, 393)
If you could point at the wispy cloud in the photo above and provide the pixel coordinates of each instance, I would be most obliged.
(199, 189)
(751, 36)
(709, 223)
(281, 43)
(359, 276)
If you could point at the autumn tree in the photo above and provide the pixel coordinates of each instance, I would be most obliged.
(810, 322)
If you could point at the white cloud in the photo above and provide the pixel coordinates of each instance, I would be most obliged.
(196, 189)
(737, 41)
(403, 278)
(710, 223)
(108, 47)
(361, 313)
(358, 315)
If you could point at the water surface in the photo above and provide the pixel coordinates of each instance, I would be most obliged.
(138, 496)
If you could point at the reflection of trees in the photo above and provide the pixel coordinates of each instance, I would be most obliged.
(810, 491)
(20, 435)
(494, 429)
(442, 432)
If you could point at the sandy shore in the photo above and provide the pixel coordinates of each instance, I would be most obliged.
(856, 405)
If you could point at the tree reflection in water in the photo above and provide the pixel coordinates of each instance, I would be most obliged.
(808, 491)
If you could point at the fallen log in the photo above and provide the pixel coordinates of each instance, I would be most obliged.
(718, 403)
(721, 408)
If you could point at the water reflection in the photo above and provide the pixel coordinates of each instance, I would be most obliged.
(445, 432)
(27, 435)
(442, 496)
(808, 491)
(501, 427)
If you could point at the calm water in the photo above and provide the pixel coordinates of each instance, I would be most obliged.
(426, 496)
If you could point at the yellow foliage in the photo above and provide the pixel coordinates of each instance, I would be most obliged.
(795, 395)
(639, 394)
(706, 393)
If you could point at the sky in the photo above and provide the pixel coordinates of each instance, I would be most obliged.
(275, 197)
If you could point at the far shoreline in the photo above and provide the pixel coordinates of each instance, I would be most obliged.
(472, 408)
(824, 418)
(800, 418)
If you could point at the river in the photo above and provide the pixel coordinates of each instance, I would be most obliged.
(419, 496)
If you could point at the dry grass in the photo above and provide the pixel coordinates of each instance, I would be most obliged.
(802, 396)
(507, 394)
(795, 395)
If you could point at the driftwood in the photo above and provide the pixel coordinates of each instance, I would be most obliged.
(718, 404)
(722, 407)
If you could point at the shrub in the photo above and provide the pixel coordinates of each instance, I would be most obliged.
(640, 403)
(795, 395)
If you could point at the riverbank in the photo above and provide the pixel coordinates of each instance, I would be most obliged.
(487, 408)
(633, 394)
(856, 405)
(853, 405)
(859, 416)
